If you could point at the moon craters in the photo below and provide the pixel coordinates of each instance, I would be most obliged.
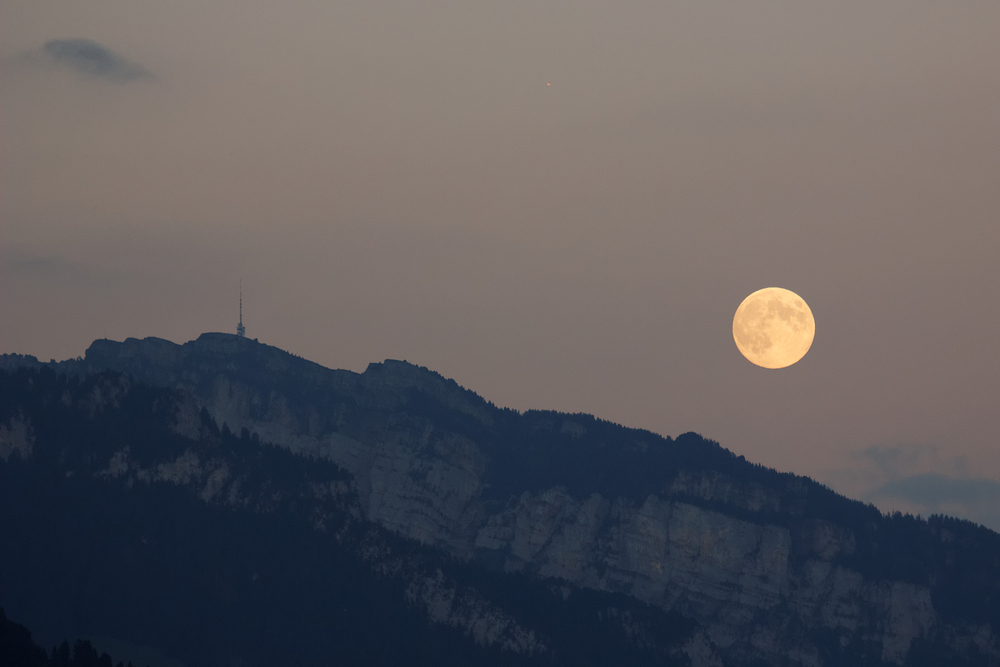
(773, 327)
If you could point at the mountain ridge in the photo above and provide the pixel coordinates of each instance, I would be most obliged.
(679, 523)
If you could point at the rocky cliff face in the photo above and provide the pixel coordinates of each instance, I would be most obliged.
(119, 501)
(747, 554)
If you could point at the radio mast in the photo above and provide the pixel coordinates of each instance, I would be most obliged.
(241, 330)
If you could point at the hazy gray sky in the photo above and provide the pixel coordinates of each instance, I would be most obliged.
(558, 204)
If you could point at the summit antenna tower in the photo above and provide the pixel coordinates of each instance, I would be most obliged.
(241, 330)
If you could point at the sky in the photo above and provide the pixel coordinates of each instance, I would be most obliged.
(560, 205)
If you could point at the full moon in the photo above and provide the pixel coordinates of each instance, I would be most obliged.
(773, 327)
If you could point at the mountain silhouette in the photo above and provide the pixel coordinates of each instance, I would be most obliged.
(230, 503)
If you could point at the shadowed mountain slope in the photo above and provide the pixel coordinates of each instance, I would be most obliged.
(735, 563)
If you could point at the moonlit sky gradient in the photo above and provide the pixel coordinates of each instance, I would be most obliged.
(398, 180)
